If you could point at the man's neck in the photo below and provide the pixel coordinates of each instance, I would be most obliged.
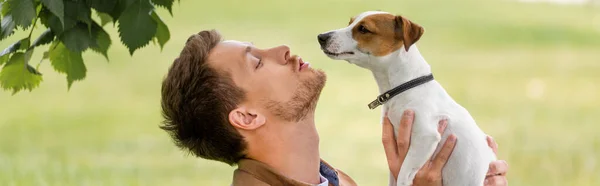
(402, 66)
(294, 151)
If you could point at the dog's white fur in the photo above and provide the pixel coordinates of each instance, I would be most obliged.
(471, 157)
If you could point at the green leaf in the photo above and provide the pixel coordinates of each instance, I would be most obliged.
(84, 13)
(168, 4)
(44, 38)
(78, 38)
(38, 7)
(33, 70)
(57, 8)
(16, 75)
(53, 22)
(105, 6)
(12, 48)
(27, 55)
(104, 18)
(25, 44)
(22, 11)
(4, 59)
(136, 26)
(162, 31)
(65, 61)
(102, 40)
(121, 6)
(3, 9)
(46, 55)
(78, 11)
(7, 27)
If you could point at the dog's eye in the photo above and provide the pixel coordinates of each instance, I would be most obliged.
(362, 29)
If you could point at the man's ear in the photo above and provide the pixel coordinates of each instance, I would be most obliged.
(246, 119)
(408, 31)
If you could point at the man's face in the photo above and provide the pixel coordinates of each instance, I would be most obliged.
(277, 84)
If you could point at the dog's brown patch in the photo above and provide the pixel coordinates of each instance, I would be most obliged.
(381, 34)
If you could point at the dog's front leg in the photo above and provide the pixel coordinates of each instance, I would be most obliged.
(424, 140)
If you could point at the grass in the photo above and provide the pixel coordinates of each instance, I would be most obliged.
(528, 73)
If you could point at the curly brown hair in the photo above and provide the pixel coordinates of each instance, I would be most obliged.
(196, 100)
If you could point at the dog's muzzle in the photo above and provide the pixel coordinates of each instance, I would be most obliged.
(324, 38)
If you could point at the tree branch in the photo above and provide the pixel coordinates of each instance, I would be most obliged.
(33, 27)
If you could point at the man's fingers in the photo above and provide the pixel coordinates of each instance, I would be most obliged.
(444, 154)
(498, 167)
(403, 140)
(442, 126)
(389, 146)
(387, 138)
(492, 144)
(396, 148)
(495, 181)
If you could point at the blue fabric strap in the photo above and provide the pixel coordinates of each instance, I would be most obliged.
(329, 174)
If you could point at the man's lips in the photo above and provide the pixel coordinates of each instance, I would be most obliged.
(336, 54)
(302, 65)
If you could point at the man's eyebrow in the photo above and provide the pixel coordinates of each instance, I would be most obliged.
(248, 49)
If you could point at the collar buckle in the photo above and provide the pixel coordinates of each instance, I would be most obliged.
(381, 99)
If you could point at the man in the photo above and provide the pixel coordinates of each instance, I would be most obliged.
(231, 102)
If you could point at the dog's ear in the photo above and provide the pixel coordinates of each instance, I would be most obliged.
(408, 31)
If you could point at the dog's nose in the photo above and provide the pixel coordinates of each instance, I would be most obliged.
(323, 38)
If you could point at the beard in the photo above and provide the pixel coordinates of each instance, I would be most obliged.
(304, 100)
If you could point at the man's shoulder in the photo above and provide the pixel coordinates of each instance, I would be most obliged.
(251, 172)
(241, 177)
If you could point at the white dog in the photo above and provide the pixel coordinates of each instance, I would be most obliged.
(384, 44)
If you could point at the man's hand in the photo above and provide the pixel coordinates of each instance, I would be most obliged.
(496, 175)
(431, 172)
(395, 151)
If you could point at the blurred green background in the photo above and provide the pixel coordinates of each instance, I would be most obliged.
(529, 73)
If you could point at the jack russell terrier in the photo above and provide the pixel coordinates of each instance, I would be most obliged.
(385, 44)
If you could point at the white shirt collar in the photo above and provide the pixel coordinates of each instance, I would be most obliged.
(324, 181)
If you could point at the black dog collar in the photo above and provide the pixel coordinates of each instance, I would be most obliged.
(381, 99)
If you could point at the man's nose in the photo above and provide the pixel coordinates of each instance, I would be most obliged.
(324, 37)
(282, 53)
